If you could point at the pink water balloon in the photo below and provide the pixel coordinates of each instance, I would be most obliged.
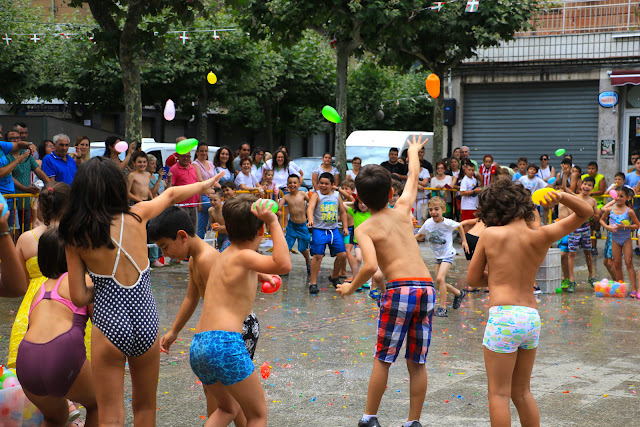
(169, 110)
(121, 146)
(613, 194)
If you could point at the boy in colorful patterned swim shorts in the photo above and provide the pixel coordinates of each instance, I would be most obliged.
(218, 354)
(513, 327)
(407, 305)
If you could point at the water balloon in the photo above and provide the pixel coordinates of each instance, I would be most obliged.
(433, 85)
(186, 145)
(121, 146)
(613, 194)
(560, 152)
(212, 78)
(268, 288)
(538, 195)
(5, 207)
(551, 180)
(271, 204)
(169, 110)
(265, 370)
(626, 222)
(330, 113)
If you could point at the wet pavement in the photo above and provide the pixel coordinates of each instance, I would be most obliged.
(320, 350)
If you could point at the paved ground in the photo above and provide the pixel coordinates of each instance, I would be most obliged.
(320, 349)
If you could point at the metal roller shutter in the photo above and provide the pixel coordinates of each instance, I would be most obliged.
(513, 120)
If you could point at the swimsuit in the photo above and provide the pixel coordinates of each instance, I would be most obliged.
(406, 308)
(51, 368)
(511, 327)
(126, 315)
(472, 241)
(220, 356)
(620, 236)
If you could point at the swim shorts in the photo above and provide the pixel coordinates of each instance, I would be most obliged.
(563, 244)
(348, 239)
(223, 241)
(320, 238)
(220, 356)
(607, 247)
(581, 237)
(298, 232)
(406, 308)
(511, 327)
(251, 333)
(448, 259)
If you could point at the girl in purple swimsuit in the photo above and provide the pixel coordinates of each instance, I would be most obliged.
(51, 363)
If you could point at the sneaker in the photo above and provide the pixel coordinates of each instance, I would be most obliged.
(565, 284)
(373, 422)
(537, 290)
(367, 285)
(441, 312)
(308, 269)
(334, 282)
(594, 251)
(375, 294)
(636, 251)
(313, 289)
(572, 287)
(360, 289)
(457, 300)
(592, 281)
(415, 424)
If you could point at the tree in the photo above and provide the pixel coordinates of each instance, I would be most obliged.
(441, 40)
(349, 23)
(128, 29)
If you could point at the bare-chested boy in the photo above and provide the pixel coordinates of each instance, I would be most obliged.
(581, 237)
(297, 225)
(387, 239)
(139, 179)
(217, 220)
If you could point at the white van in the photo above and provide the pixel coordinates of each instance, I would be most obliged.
(161, 150)
(372, 146)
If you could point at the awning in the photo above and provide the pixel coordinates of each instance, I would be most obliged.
(627, 77)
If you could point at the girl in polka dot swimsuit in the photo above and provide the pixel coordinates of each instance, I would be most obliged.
(125, 317)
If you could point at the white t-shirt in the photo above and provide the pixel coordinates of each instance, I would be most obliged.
(352, 176)
(468, 202)
(424, 174)
(447, 180)
(440, 236)
(319, 171)
(281, 175)
(532, 184)
(249, 181)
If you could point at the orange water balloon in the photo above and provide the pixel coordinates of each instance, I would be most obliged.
(433, 85)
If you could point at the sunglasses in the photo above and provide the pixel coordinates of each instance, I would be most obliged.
(544, 158)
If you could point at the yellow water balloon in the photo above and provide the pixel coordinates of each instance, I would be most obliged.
(212, 78)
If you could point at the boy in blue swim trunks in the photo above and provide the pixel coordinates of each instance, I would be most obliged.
(513, 327)
(323, 211)
(406, 308)
(218, 354)
(297, 225)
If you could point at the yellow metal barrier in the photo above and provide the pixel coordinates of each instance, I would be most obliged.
(19, 213)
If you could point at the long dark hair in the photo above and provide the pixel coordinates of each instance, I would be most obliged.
(201, 144)
(42, 148)
(53, 200)
(109, 144)
(229, 165)
(98, 195)
(274, 163)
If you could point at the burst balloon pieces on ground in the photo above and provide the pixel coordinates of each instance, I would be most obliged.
(169, 110)
(560, 152)
(433, 85)
(538, 195)
(268, 288)
(212, 78)
(186, 145)
(330, 113)
(265, 370)
(121, 146)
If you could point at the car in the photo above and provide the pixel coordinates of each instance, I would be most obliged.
(373, 146)
(307, 164)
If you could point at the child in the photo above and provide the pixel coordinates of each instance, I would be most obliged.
(439, 233)
(218, 355)
(513, 327)
(621, 235)
(608, 255)
(268, 184)
(387, 233)
(52, 365)
(297, 225)
(245, 180)
(531, 181)
(469, 191)
(175, 234)
(217, 220)
(125, 316)
(618, 181)
(521, 169)
(323, 211)
(582, 236)
(156, 183)
(487, 170)
(346, 190)
(228, 190)
(397, 187)
(139, 179)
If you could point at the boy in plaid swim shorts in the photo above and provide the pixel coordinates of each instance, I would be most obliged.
(406, 308)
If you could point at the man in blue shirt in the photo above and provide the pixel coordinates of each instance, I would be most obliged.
(60, 166)
(632, 179)
(6, 168)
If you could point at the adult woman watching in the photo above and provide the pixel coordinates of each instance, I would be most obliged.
(111, 153)
(282, 167)
(223, 162)
(325, 166)
(207, 170)
(356, 163)
(83, 151)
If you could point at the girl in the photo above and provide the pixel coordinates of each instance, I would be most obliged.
(270, 185)
(325, 166)
(83, 152)
(356, 162)
(125, 315)
(443, 182)
(52, 365)
(111, 153)
(223, 163)
(622, 219)
(245, 180)
(282, 167)
(157, 181)
(207, 170)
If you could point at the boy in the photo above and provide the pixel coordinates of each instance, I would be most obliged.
(582, 236)
(228, 189)
(439, 233)
(522, 169)
(297, 225)
(487, 170)
(217, 220)
(322, 215)
(174, 233)
(568, 179)
(513, 326)
(397, 187)
(139, 179)
(218, 354)
(469, 191)
(531, 181)
(382, 238)
(346, 190)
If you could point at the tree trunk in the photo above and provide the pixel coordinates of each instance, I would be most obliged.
(438, 118)
(130, 65)
(203, 106)
(268, 124)
(343, 51)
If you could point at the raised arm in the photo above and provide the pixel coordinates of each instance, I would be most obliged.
(581, 212)
(188, 306)
(411, 188)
